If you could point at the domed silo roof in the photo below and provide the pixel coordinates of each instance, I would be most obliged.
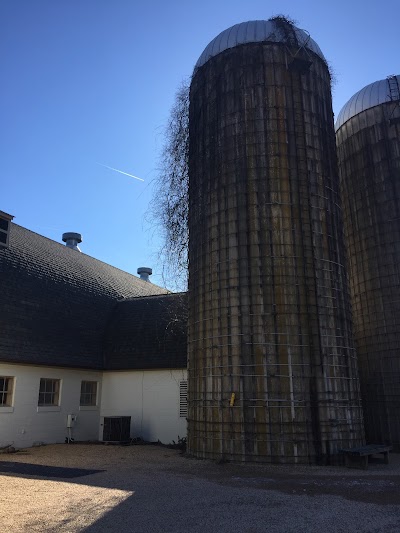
(371, 95)
(255, 31)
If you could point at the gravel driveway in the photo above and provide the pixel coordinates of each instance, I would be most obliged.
(95, 488)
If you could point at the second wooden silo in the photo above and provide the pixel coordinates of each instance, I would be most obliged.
(272, 367)
(368, 140)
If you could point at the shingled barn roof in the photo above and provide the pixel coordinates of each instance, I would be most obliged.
(55, 302)
(148, 332)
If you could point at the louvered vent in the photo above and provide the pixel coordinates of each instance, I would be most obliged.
(183, 399)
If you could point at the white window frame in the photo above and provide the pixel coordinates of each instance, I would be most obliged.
(83, 406)
(56, 393)
(9, 406)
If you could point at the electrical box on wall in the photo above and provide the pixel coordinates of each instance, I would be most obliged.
(71, 419)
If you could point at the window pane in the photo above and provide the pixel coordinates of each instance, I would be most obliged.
(88, 393)
(48, 391)
(3, 224)
(6, 386)
(3, 237)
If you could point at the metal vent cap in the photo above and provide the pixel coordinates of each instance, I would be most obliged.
(144, 273)
(72, 240)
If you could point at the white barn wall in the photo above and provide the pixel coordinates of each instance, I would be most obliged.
(23, 425)
(150, 398)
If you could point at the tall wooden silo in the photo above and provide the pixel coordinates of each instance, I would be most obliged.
(368, 140)
(272, 367)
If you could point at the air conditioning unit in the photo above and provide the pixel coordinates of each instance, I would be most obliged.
(117, 429)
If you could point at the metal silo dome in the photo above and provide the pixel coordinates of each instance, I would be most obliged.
(255, 31)
(371, 95)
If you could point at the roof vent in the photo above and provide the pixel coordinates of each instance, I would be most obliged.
(72, 240)
(144, 273)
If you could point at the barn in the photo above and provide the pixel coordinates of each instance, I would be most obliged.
(87, 351)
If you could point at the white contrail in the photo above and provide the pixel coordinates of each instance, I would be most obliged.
(120, 171)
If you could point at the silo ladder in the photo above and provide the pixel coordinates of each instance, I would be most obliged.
(394, 95)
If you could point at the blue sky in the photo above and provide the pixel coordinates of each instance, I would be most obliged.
(92, 81)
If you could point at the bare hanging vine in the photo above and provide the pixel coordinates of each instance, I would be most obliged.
(169, 206)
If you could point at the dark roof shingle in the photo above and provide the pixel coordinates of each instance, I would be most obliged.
(55, 302)
(148, 332)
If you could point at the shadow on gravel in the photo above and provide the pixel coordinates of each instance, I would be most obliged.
(361, 486)
(378, 485)
(380, 491)
(43, 471)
